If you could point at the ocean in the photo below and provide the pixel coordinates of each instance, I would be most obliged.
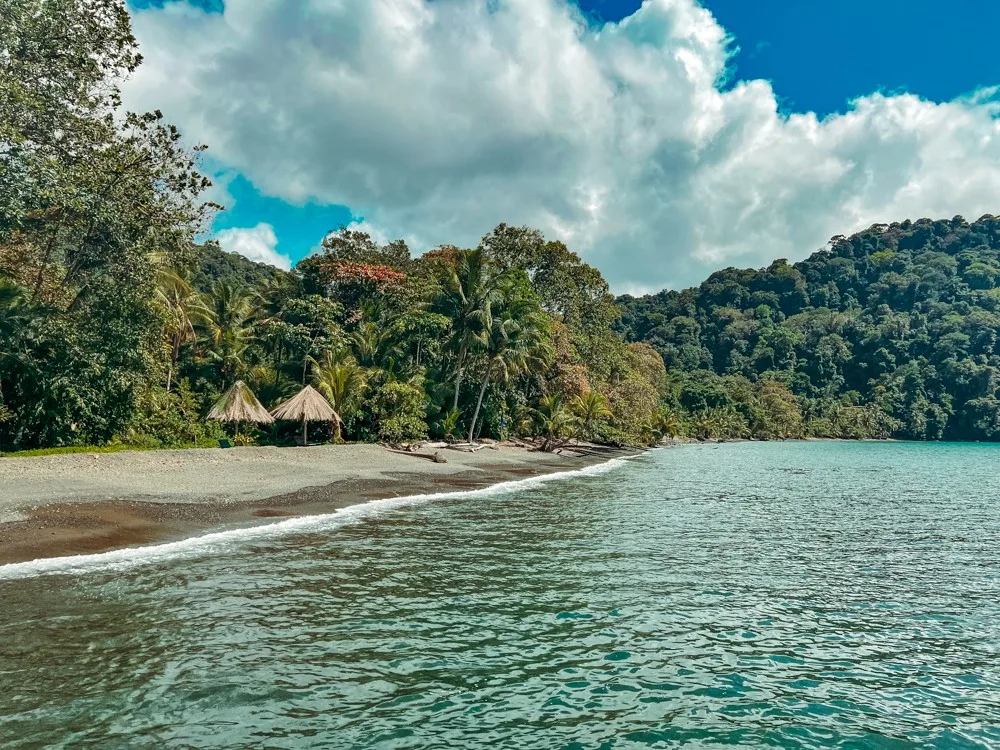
(795, 595)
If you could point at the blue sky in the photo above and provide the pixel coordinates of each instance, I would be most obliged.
(817, 55)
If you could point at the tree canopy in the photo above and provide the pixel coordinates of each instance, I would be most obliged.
(117, 325)
(891, 332)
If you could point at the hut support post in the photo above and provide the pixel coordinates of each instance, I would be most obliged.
(305, 432)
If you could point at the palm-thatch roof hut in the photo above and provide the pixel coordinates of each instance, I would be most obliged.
(238, 404)
(308, 405)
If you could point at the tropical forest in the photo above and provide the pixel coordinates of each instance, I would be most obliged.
(121, 324)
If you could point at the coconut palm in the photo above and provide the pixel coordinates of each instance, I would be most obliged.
(182, 310)
(374, 344)
(449, 422)
(556, 422)
(590, 408)
(516, 340)
(228, 325)
(338, 377)
(705, 425)
(270, 383)
(466, 298)
(666, 424)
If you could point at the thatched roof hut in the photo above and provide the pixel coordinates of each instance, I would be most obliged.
(308, 405)
(239, 404)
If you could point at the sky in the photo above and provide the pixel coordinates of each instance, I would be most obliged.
(660, 141)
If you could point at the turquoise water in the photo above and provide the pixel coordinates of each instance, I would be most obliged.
(782, 595)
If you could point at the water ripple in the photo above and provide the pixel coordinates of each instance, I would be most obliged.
(795, 595)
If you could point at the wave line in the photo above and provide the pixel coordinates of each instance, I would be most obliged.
(224, 541)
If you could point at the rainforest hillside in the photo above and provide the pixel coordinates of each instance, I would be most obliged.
(892, 332)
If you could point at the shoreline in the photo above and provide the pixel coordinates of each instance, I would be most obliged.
(88, 503)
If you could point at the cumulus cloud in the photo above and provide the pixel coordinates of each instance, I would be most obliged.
(257, 243)
(437, 120)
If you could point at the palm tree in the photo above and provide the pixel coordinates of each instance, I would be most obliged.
(719, 423)
(590, 408)
(229, 320)
(182, 309)
(556, 421)
(270, 383)
(448, 423)
(666, 424)
(373, 343)
(706, 425)
(466, 298)
(516, 340)
(338, 377)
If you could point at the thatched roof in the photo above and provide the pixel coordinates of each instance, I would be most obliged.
(240, 405)
(306, 406)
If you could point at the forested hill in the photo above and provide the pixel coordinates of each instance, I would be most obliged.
(210, 264)
(889, 332)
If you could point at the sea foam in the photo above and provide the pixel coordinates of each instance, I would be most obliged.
(231, 539)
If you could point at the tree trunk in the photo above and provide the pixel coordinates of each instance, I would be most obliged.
(174, 353)
(458, 376)
(479, 403)
(458, 387)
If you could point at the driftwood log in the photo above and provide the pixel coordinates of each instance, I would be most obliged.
(466, 448)
(436, 457)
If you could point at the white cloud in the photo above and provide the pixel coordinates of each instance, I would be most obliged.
(437, 120)
(257, 243)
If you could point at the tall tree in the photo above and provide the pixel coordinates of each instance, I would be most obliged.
(338, 377)
(471, 286)
(88, 194)
(228, 325)
(515, 341)
(182, 309)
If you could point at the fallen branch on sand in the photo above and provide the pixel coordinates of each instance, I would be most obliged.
(436, 457)
(466, 447)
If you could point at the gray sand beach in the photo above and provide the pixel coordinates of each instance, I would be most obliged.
(88, 502)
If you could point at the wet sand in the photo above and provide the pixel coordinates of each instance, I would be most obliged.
(91, 502)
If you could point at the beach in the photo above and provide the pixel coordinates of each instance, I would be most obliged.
(93, 502)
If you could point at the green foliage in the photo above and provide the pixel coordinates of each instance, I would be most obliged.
(396, 414)
(514, 340)
(591, 411)
(556, 422)
(91, 200)
(449, 425)
(117, 328)
(892, 332)
(172, 420)
(338, 377)
(213, 265)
